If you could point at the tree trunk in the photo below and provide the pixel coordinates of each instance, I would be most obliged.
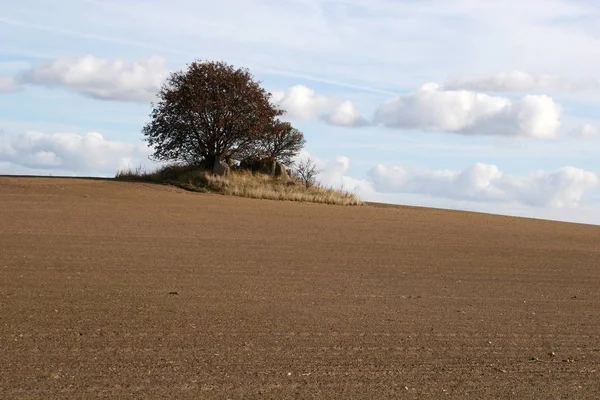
(209, 162)
(220, 167)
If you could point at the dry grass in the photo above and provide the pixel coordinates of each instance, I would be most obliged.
(241, 183)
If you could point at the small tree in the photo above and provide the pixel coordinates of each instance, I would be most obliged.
(281, 142)
(307, 172)
(210, 112)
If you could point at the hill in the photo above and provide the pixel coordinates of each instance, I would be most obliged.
(118, 289)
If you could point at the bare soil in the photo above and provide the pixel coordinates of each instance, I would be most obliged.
(129, 290)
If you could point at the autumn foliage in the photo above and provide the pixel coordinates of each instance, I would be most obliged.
(212, 112)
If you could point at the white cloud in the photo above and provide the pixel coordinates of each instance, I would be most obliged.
(90, 153)
(333, 173)
(101, 78)
(564, 187)
(520, 81)
(302, 102)
(467, 112)
(346, 114)
(586, 131)
(8, 84)
(475, 186)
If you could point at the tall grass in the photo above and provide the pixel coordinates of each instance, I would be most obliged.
(240, 183)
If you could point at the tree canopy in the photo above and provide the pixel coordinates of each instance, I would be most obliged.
(281, 142)
(213, 111)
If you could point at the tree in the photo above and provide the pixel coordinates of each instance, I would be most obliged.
(208, 113)
(307, 172)
(280, 142)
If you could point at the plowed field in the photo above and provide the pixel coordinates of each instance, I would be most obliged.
(126, 290)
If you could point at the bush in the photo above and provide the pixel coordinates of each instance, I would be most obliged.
(306, 171)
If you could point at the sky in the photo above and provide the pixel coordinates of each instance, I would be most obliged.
(490, 106)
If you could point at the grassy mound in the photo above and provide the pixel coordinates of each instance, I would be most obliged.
(240, 183)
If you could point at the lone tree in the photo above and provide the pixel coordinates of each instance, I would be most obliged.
(212, 112)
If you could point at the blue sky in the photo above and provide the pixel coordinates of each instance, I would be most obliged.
(489, 106)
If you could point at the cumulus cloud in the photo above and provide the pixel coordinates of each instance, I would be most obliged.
(563, 187)
(466, 112)
(101, 78)
(8, 84)
(302, 102)
(89, 153)
(346, 114)
(520, 81)
(334, 173)
(479, 184)
(586, 131)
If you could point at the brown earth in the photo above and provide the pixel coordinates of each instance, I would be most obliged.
(123, 290)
